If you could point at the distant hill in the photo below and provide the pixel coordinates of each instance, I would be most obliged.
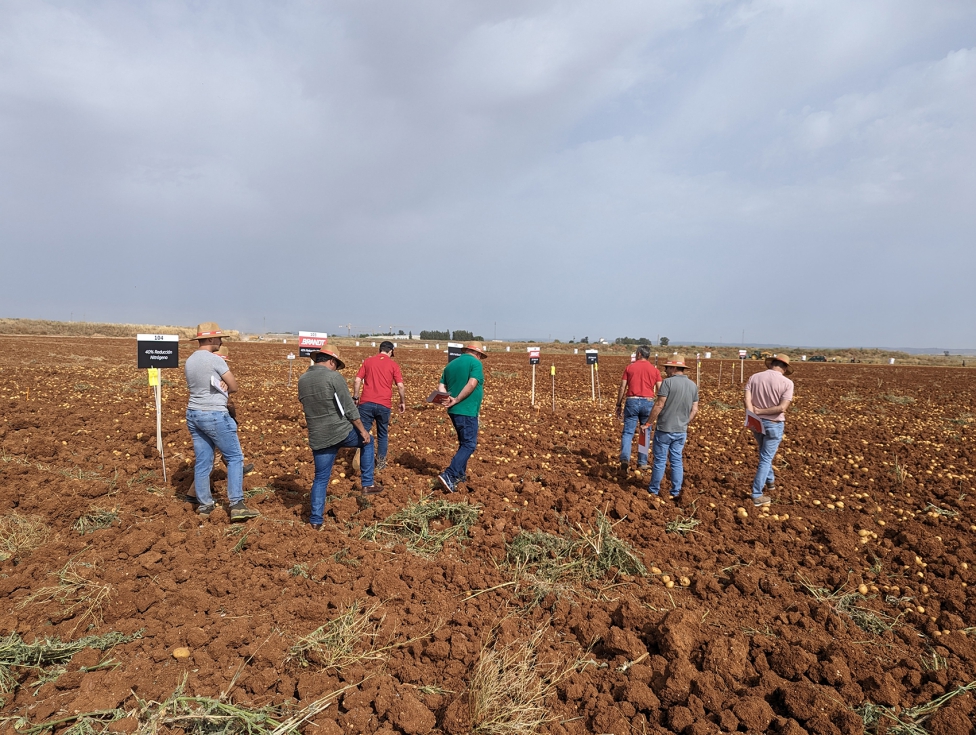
(36, 327)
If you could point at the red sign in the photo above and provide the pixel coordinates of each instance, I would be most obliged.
(309, 342)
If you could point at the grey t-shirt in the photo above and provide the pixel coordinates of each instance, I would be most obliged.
(681, 392)
(199, 368)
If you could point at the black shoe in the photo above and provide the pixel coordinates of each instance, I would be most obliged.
(316, 526)
(205, 510)
(248, 468)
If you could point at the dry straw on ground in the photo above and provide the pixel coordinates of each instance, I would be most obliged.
(19, 535)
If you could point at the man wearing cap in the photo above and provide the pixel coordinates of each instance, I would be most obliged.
(639, 385)
(676, 407)
(767, 396)
(463, 378)
(333, 422)
(210, 382)
(372, 390)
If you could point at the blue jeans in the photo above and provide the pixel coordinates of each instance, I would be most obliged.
(768, 444)
(367, 413)
(467, 433)
(216, 429)
(325, 458)
(635, 409)
(668, 446)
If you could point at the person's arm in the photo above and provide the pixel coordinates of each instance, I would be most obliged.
(656, 411)
(230, 381)
(357, 386)
(403, 397)
(466, 391)
(620, 397)
(657, 387)
(367, 437)
(694, 412)
(772, 411)
(748, 401)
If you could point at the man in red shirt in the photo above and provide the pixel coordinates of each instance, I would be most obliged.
(639, 385)
(372, 391)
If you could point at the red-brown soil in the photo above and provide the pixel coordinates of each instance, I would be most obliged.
(746, 647)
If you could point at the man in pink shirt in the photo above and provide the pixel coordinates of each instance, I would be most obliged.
(768, 394)
(375, 379)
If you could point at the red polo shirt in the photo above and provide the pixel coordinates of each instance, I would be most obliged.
(379, 374)
(642, 378)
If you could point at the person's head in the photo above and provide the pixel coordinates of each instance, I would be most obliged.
(209, 336)
(675, 365)
(387, 347)
(476, 349)
(779, 363)
(328, 356)
(223, 352)
(643, 352)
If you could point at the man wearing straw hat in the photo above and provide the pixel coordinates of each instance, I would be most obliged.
(333, 422)
(767, 396)
(463, 378)
(638, 386)
(676, 407)
(210, 382)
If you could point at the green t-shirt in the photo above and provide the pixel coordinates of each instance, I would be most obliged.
(456, 376)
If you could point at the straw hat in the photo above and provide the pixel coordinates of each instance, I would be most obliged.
(207, 330)
(785, 359)
(477, 347)
(223, 352)
(676, 361)
(331, 352)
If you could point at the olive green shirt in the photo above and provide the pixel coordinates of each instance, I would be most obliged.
(318, 390)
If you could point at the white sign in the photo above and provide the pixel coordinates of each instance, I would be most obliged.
(891, 361)
(291, 355)
(742, 354)
(708, 355)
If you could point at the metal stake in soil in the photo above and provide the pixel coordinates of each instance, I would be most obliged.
(553, 371)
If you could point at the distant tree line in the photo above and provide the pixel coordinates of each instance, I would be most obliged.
(459, 334)
(639, 341)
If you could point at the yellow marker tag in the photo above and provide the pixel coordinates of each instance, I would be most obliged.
(153, 376)
(552, 370)
(596, 366)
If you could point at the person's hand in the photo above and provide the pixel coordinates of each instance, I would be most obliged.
(450, 402)
(367, 437)
(403, 406)
(223, 386)
(355, 399)
(620, 411)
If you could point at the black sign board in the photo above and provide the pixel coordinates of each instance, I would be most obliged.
(454, 350)
(591, 357)
(158, 350)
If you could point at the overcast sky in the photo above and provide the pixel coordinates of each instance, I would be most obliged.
(804, 172)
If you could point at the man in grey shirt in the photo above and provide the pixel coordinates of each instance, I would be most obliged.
(210, 382)
(333, 422)
(676, 407)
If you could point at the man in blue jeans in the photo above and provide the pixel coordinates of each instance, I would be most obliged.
(371, 391)
(639, 385)
(676, 407)
(333, 422)
(211, 426)
(463, 379)
(767, 396)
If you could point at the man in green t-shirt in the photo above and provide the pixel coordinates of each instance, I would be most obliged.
(463, 379)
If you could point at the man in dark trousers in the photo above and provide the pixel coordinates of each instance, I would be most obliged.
(463, 379)
(676, 407)
(333, 422)
(372, 391)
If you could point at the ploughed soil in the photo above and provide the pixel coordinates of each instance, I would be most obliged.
(857, 586)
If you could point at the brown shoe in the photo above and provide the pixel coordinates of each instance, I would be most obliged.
(373, 490)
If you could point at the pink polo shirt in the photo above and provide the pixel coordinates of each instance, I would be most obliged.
(770, 388)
